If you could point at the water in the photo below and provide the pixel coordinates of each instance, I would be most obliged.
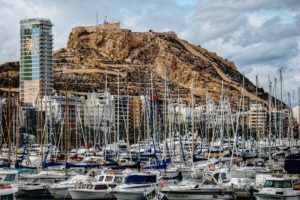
(31, 198)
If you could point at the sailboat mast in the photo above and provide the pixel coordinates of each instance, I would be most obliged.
(206, 112)
(276, 110)
(299, 115)
(165, 112)
(193, 118)
(17, 130)
(139, 114)
(9, 118)
(270, 116)
(222, 115)
(243, 124)
(280, 116)
(118, 112)
(256, 121)
(66, 125)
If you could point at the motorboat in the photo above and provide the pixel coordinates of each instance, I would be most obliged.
(278, 188)
(36, 185)
(99, 189)
(135, 186)
(61, 190)
(8, 192)
(211, 188)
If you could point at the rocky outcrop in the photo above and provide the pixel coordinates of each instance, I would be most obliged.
(139, 61)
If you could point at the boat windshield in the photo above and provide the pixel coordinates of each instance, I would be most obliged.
(101, 178)
(118, 179)
(10, 177)
(278, 184)
(89, 186)
(83, 186)
(108, 178)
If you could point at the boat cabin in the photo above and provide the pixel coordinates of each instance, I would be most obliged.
(103, 182)
(8, 175)
(278, 183)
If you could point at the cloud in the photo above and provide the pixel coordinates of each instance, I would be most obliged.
(261, 37)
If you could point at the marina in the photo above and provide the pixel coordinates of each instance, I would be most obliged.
(118, 114)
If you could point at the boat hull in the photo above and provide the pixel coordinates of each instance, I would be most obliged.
(90, 194)
(129, 195)
(8, 193)
(34, 193)
(197, 195)
(273, 196)
(60, 193)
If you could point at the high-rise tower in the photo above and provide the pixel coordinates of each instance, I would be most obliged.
(36, 74)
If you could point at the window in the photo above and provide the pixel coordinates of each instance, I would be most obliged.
(287, 184)
(223, 176)
(100, 187)
(90, 186)
(112, 185)
(268, 183)
(278, 184)
(10, 177)
(108, 178)
(83, 186)
(118, 179)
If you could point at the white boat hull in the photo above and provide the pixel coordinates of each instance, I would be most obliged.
(90, 194)
(273, 196)
(129, 195)
(60, 193)
(8, 192)
(196, 195)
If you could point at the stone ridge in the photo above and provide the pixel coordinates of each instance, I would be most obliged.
(141, 60)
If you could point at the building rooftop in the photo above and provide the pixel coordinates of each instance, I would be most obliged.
(32, 20)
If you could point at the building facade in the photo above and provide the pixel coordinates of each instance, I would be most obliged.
(258, 118)
(98, 109)
(36, 74)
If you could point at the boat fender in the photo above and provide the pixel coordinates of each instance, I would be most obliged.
(211, 167)
(6, 187)
(163, 183)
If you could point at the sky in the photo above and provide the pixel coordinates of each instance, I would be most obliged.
(260, 36)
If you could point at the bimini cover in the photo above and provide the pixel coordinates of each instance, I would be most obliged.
(292, 163)
(140, 179)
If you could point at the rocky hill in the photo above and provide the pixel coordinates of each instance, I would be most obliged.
(139, 61)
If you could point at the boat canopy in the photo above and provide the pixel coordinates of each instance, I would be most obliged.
(140, 179)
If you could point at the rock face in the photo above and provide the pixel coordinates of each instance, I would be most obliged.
(9, 76)
(141, 61)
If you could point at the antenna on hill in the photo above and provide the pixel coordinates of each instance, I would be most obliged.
(96, 18)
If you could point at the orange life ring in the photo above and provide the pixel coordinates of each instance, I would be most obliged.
(27, 163)
(211, 167)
